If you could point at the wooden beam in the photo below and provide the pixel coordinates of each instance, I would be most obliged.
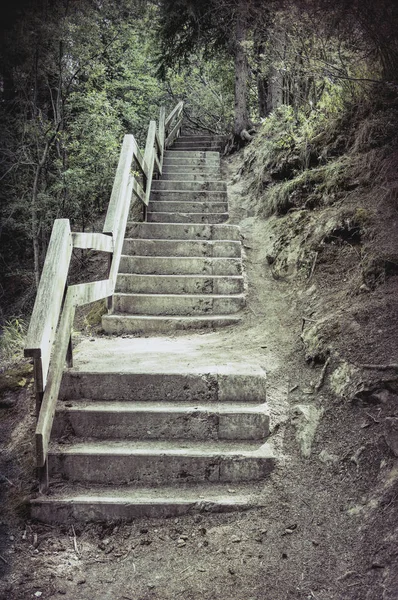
(173, 133)
(129, 150)
(47, 307)
(47, 410)
(119, 240)
(176, 110)
(84, 293)
(149, 158)
(139, 191)
(93, 241)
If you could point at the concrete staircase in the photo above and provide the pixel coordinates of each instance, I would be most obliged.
(181, 269)
(159, 426)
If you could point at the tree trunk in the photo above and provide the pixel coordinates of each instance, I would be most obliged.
(241, 72)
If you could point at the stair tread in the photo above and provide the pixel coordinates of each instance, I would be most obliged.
(160, 407)
(241, 448)
(187, 296)
(184, 492)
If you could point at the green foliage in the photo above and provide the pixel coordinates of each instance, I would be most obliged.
(206, 87)
(12, 339)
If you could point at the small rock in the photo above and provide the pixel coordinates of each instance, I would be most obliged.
(181, 543)
(235, 539)
(38, 594)
(231, 571)
(145, 542)
(144, 530)
(81, 581)
(183, 537)
(12, 538)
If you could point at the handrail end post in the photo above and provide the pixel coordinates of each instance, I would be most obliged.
(43, 477)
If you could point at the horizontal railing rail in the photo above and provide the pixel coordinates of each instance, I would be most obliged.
(49, 340)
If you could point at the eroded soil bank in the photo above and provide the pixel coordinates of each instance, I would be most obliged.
(328, 529)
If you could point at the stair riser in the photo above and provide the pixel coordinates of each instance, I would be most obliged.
(141, 284)
(180, 231)
(180, 266)
(165, 217)
(158, 387)
(184, 196)
(176, 305)
(203, 138)
(201, 154)
(59, 511)
(197, 146)
(221, 249)
(158, 469)
(189, 186)
(194, 169)
(181, 164)
(188, 207)
(123, 324)
(198, 425)
(189, 176)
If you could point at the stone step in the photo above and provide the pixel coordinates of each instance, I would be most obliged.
(190, 168)
(200, 162)
(180, 231)
(151, 325)
(167, 217)
(176, 265)
(161, 420)
(188, 196)
(160, 369)
(179, 284)
(105, 503)
(182, 144)
(193, 248)
(203, 138)
(204, 147)
(177, 304)
(182, 154)
(148, 462)
(189, 186)
(164, 205)
(188, 176)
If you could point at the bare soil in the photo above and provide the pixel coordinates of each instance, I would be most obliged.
(329, 527)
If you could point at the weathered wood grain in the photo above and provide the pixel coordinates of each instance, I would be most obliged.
(47, 411)
(129, 149)
(45, 315)
(92, 241)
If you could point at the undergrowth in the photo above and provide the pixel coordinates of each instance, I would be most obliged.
(12, 340)
(306, 160)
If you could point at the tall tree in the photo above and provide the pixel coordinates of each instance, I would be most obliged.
(214, 26)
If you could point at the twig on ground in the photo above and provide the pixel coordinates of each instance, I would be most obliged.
(4, 560)
(322, 377)
(292, 389)
(304, 321)
(313, 266)
(75, 541)
(379, 367)
(372, 417)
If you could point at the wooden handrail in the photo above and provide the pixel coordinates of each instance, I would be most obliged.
(49, 335)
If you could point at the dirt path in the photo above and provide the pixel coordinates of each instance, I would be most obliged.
(326, 531)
